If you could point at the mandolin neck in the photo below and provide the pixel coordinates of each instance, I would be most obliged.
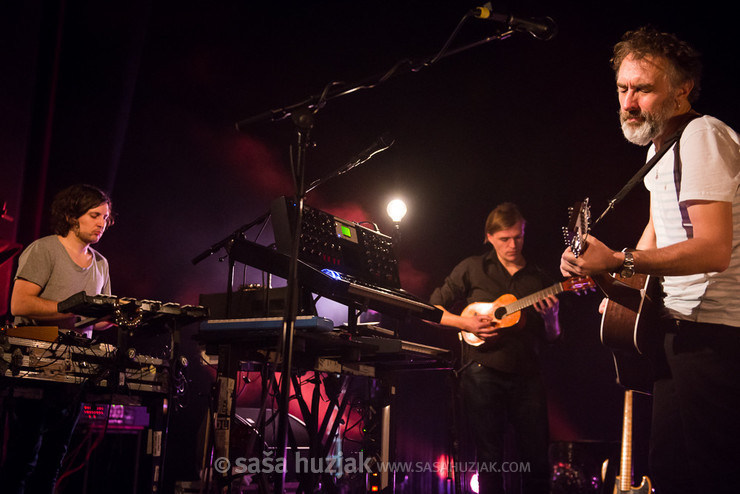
(529, 300)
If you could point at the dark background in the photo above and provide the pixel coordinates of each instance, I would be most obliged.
(141, 98)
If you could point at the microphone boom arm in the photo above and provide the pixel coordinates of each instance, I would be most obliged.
(337, 89)
(379, 145)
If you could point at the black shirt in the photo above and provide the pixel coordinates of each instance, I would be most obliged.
(484, 279)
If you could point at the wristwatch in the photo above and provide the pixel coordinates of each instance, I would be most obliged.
(628, 266)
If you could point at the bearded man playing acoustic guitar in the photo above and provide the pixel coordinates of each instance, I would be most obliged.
(691, 240)
(500, 381)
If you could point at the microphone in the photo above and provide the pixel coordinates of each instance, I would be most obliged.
(543, 28)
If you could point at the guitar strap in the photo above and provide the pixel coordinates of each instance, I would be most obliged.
(647, 166)
(685, 220)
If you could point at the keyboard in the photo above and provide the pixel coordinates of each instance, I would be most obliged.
(336, 286)
(262, 325)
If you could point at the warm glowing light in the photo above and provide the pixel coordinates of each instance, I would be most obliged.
(443, 470)
(396, 210)
(474, 484)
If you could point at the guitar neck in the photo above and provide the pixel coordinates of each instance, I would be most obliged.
(529, 300)
(625, 467)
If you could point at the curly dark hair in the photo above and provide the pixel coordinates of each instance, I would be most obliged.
(685, 61)
(74, 201)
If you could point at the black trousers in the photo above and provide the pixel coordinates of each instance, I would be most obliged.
(494, 400)
(39, 432)
(695, 436)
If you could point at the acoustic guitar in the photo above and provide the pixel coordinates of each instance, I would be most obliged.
(505, 312)
(633, 303)
(629, 324)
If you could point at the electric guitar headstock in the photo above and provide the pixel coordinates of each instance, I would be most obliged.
(576, 233)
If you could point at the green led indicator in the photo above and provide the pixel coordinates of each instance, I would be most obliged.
(346, 231)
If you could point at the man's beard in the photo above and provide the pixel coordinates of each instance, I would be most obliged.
(87, 238)
(652, 125)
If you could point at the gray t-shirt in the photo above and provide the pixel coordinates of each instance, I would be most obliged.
(47, 264)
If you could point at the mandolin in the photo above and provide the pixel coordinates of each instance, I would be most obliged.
(505, 312)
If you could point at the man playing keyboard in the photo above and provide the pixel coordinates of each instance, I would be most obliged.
(49, 270)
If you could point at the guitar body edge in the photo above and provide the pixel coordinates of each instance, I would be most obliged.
(489, 308)
(645, 487)
(629, 328)
(631, 323)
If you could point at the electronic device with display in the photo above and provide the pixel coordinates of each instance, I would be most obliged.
(340, 247)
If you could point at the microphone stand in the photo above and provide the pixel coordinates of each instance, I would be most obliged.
(302, 114)
(226, 244)
(303, 122)
(226, 241)
(381, 144)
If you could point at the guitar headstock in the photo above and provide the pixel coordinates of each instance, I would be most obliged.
(579, 284)
(575, 234)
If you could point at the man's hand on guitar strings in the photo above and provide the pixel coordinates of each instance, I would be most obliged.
(567, 266)
(548, 308)
(481, 325)
(595, 258)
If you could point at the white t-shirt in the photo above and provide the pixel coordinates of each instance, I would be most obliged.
(710, 170)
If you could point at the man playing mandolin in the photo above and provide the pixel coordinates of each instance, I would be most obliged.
(692, 240)
(500, 381)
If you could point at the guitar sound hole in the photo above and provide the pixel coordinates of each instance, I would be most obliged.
(499, 313)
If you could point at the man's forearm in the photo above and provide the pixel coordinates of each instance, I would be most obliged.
(35, 308)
